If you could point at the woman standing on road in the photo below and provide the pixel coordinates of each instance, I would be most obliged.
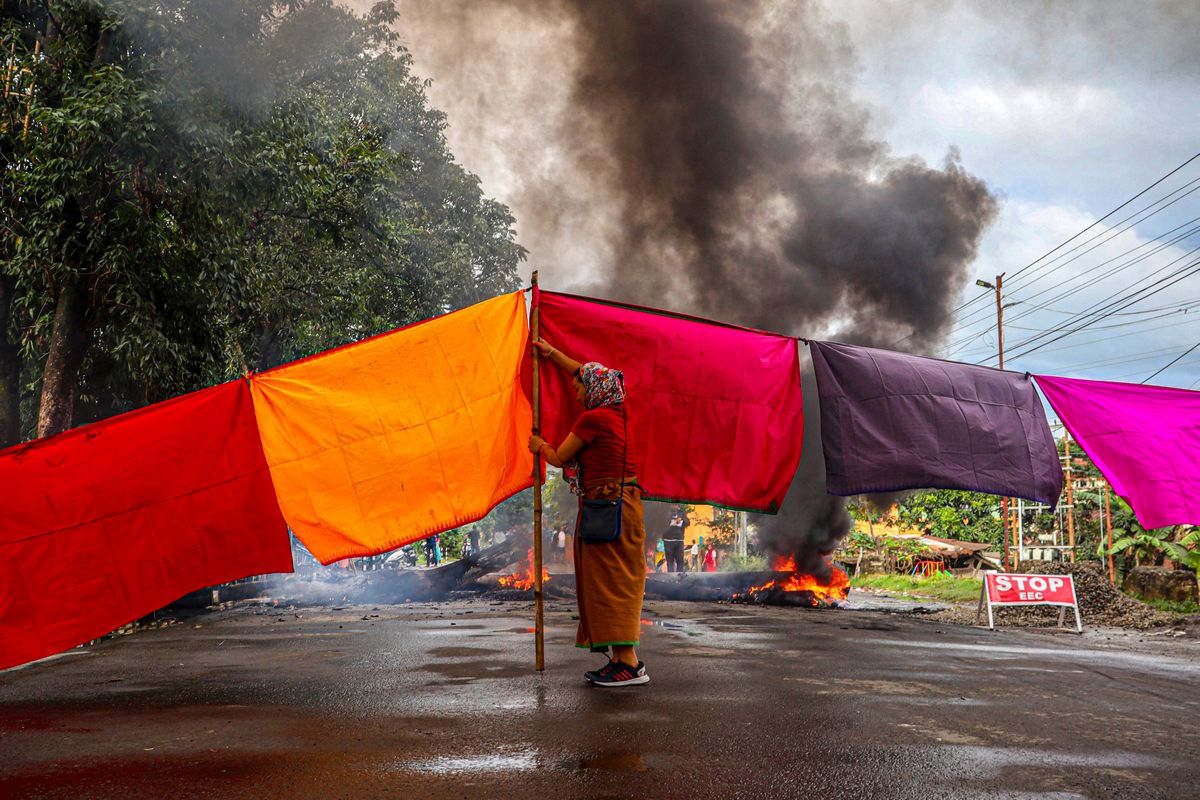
(610, 577)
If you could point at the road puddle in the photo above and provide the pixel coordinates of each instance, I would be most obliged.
(519, 761)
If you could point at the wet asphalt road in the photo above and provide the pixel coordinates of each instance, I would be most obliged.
(442, 702)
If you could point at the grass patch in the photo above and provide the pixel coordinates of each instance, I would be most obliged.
(940, 587)
(1174, 606)
(751, 563)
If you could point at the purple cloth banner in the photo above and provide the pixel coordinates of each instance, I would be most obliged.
(1145, 439)
(892, 421)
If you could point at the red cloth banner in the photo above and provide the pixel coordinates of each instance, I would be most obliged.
(714, 410)
(105, 523)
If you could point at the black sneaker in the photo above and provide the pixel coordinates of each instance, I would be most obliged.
(592, 675)
(618, 673)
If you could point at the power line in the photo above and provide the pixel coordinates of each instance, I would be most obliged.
(960, 344)
(1031, 264)
(1174, 361)
(1099, 315)
(1073, 238)
(1119, 267)
(1126, 324)
(1185, 304)
(1136, 373)
(1178, 323)
(1106, 216)
(1115, 296)
(1116, 269)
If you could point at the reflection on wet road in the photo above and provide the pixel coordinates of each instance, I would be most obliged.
(441, 701)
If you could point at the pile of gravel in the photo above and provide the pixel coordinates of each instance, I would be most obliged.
(1100, 603)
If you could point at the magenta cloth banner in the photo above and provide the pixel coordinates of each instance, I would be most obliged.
(893, 421)
(714, 410)
(1145, 439)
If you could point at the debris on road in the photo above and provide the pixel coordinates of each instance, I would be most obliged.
(1100, 603)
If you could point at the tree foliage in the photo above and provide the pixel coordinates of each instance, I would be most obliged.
(948, 513)
(204, 187)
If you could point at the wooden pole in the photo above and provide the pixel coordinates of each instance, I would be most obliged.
(1000, 318)
(1112, 572)
(539, 633)
(1070, 496)
(1008, 526)
(1004, 520)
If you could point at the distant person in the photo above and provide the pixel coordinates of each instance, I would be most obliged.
(473, 541)
(432, 551)
(672, 539)
(560, 544)
(610, 576)
(710, 559)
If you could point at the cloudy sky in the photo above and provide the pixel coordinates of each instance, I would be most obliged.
(1064, 110)
(1067, 111)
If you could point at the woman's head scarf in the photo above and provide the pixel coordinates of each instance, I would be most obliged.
(601, 387)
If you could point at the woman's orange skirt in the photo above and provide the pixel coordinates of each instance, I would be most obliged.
(610, 578)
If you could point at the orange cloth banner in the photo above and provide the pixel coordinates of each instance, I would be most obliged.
(410, 433)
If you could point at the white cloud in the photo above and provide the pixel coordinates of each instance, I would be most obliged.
(1022, 114)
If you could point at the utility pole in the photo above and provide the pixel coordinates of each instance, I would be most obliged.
(998, 286)
(1000, 317)
(1070, 494)
(1112, 571)
(1000, 349)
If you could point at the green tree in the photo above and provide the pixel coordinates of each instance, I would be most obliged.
(204, 187)
(514, 513)
(953, 514)
(723, 527)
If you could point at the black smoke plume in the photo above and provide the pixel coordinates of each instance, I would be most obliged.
(725, 169)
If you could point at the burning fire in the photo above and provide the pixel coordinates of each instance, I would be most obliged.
(523, 580)
(837, 589)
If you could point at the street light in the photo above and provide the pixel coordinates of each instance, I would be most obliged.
(998, 288)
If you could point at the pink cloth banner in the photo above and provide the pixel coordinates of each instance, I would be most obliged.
(1145, 439)
(714, 411)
